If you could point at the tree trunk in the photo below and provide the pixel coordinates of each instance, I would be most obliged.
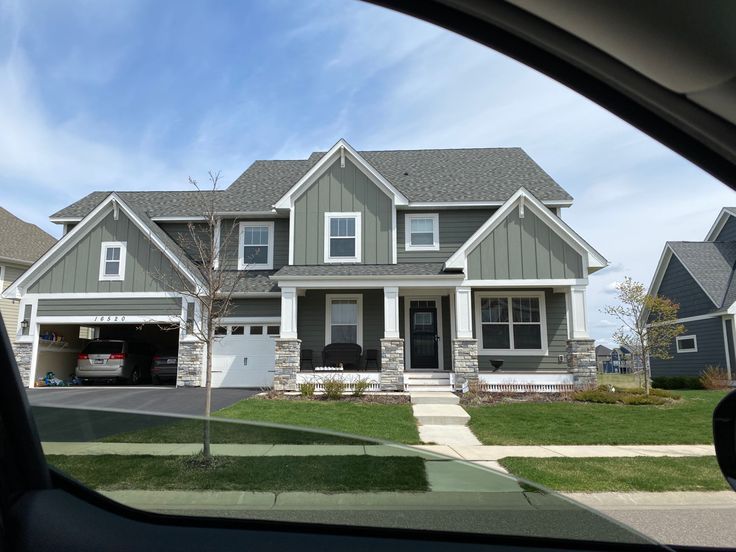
(206, 438)
(647, 374)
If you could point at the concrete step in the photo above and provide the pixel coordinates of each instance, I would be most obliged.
(440, 414)
(426, 375)
(434, 397)
(419, 388)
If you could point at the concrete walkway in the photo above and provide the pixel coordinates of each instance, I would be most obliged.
(441, 420)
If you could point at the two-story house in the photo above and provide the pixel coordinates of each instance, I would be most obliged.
(434, 262)
(701, 278)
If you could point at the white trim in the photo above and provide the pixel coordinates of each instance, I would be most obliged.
(683, 337)
(340, 148)
(289, 313)
(112, 319)
(358, 298)
(357, 215)
(526, 382)
(407, 327)
(595, 260)
(242, 265)
(718, 225)
(391, 312)
(217, 240)
(463, 313)
(526, 283)
(394, 234)
(179, 218)
(346, 282)
(291, 235)
(544, 351)
(724, 321)
(64, 220)
(2, 277)
(103, 295)
(252, 320)
(104, 246)
(480, 203)
(577, 315)
(435, 218)
(34, 355)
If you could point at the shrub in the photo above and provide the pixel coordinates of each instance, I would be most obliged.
(642, 399)
(636, 397)
(713, 377)
(307, 389)
(360, 387)
(677, 382)
(334, 388)
(665, 394)
(596, 396)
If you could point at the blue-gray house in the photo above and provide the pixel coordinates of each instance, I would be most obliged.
(699, 276)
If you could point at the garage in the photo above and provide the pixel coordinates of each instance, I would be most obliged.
(244, 355)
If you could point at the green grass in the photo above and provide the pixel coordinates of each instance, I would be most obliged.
(264, 473)
(685, 422)
(630, 381)
(620, 474)
(390, 422)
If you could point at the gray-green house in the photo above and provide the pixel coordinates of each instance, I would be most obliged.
(433, 262)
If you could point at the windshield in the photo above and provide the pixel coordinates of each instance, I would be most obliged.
(430, 287)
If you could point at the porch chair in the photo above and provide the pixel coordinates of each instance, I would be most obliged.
(347, 354)
(371, 358)
(306, 358)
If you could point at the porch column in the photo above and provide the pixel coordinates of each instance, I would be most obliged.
(288, 347)
(392, 346)
(580, 347)
(464, 347)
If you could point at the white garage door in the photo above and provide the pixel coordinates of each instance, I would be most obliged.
(244, 356)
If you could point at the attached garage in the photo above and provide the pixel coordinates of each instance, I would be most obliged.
(244, 355)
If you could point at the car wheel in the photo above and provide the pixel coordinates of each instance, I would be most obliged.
(135, 377)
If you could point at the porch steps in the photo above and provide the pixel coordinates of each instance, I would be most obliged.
(440, 414)
(434, 397)
(427, 382)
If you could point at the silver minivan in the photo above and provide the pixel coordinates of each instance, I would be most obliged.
(114, 359)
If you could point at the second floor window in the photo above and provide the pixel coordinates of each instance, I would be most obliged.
(112, 261)
(256, 246)
(342, 237)
(422, 232)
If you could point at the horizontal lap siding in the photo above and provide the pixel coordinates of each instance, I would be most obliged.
(255, 307)
(135, 306)
(680, 287)
(556, 340)
(456, 226)
(711, 351)
(9, 308)
(523, 249)
(728, 232)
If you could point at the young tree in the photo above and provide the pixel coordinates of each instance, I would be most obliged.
(648, 324)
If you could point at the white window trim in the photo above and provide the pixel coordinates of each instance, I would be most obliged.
(683, 337)
(358, 237)
(544, 351)
(242, 265)
(2, 278)
(435, 245)
(104, 246)
(328, 314)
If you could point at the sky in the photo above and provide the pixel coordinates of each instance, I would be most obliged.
(140, 95)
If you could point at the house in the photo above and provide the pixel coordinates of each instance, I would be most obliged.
(699, 276)
(434, 262)
(21, 243)
(603, 359)
(620, 360)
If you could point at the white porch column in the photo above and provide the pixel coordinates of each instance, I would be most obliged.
(391, 312)
(288, 313)
(463, 313)
(577, 317)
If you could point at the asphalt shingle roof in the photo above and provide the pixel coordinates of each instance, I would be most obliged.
(712, 265)
(20, 240)
(405, 269)
(459, 175)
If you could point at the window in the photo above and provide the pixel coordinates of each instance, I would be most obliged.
(344, 319)
(220, 330)
(112, 261)
(511, 324)
(687, 344)
(342, 237)
(256, 330)
(237, 330)
(256, 246)
(273, 330)
(422, 232)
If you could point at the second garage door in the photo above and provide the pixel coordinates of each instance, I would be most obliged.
(244, 355)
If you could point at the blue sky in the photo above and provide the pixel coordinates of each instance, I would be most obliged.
(135, 95)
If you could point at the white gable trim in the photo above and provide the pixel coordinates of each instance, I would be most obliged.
(718, 225)
(340, 149)
(526, 200)
(71, 238)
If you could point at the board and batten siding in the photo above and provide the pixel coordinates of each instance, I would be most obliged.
(188, 238)
(269, 307)
(146, 267)
(711, 351)
(523, 249)
(343, 190)
(455, 228)
(728, 232)
(133, 306)
(230, 242)
(556, 340)
(8, 307)
(680, 287)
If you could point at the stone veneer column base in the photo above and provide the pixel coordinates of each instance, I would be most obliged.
(191, 364)
(288, 360)
(465, 359)
(581, 362)
(392, 364)
(23, 353)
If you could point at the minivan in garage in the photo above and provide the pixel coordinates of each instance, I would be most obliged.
(114, 360)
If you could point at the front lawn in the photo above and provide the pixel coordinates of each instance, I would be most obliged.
(390, 422)
(620, 474)
(264, 473)
(685, 422)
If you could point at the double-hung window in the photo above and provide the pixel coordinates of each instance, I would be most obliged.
(256, 246)
(342, 237)
(112, 261)
(422, 232)
(511, 323)
(344, 319)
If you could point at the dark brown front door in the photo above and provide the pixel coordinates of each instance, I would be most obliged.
(423, 336)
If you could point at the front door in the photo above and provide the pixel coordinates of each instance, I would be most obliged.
(423, 337)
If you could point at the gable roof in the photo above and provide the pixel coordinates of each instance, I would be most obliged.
(21, 241)
(711, 264)
(721, 219)
(475, 175)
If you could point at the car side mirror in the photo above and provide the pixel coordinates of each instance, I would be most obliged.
(724, 437)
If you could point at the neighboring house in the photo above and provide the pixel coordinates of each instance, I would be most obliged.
(699, 276)
(617, 361)
(434, 262)
(603, 358)
(21, 243)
